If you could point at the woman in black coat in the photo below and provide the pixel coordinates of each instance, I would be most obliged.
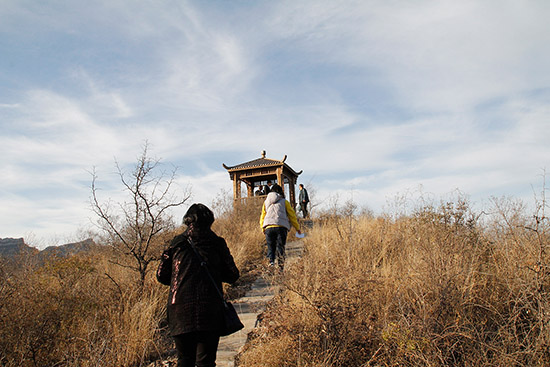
(194, 305)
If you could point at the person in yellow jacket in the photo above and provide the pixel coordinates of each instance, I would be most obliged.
(276, 219)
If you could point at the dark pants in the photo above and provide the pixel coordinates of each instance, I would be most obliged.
(275, 237)
(303, 208)
(198, 347)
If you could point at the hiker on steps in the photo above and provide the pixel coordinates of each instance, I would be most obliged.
(195, 313)
(276, 219)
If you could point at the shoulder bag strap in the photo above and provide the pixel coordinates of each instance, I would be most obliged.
(205, 267)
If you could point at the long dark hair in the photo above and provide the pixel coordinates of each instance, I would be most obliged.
(199, 216)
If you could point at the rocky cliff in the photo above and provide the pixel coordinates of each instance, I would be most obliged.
(14, 246)
(69, 249)
(10, 247)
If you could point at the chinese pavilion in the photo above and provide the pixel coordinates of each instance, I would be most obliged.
(259, 172)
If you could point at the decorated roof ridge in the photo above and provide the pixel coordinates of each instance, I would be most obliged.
(258, 162)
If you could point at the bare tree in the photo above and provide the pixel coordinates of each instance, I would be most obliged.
(137, 224)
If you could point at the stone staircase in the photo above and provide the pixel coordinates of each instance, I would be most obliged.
(250, 306)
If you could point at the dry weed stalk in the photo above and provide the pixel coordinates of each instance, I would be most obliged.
(437, 287)
(68, 313)
(87, 310)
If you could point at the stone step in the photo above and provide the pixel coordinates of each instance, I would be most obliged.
(248, 308)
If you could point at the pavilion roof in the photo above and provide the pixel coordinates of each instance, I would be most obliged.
(261, 162)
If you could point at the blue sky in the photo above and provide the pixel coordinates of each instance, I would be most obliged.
(369, 98)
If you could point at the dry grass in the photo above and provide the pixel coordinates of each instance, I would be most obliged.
(438, 287)
(241, 229)
(70, 313)
(92, 310)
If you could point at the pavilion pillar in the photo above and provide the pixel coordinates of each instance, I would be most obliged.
(237, 187)
(292, 192)
(280, 179)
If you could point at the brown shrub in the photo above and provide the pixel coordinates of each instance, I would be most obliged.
(70, 313)
(93, 309)
(240, 226)
(435, 288)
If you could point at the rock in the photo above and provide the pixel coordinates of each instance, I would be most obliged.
(10, 247)
(68, 249)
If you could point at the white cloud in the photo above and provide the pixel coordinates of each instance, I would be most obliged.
(370, 97)
(51, 219)
(432, 56)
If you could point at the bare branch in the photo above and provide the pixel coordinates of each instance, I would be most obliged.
(138, 224)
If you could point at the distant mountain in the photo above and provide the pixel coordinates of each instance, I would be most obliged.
(69, 249)
(10, 247)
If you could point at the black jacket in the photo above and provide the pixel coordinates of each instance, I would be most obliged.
(193, 302)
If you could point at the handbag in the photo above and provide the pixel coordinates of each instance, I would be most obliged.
(232, 323)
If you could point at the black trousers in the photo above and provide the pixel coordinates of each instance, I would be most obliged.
(303, 207)
(275, 237)
(197, 348)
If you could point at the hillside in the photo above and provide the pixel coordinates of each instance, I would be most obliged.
(68, 249)
(92, 309)
(10, 247)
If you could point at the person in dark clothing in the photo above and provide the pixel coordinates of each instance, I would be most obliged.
(268, 187)
(195, 315)
(304, 199)
(262, 190)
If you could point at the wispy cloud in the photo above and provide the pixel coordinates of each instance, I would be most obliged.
(369, 98)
